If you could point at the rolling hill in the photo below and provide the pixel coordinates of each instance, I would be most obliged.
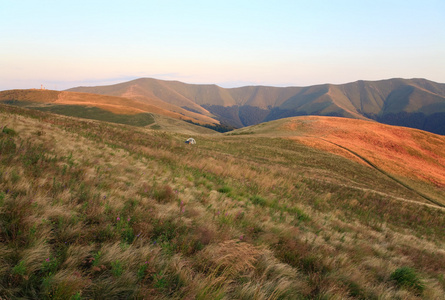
(95, 106)
(416, 103)
(298, 208)
(403, 154)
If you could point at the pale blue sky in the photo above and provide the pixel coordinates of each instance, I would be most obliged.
(63, 44)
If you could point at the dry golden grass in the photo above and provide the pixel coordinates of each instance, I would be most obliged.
(123, 212)
(231, 257)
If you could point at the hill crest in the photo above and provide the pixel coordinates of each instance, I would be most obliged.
(404, 155)
(119, 105)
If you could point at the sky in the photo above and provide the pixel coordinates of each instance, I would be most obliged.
(64, 44)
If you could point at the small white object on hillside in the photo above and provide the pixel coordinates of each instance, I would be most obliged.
(190, 141)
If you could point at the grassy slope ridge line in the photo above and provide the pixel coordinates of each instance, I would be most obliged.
(409, 155)
(385, 173)
(90, 209)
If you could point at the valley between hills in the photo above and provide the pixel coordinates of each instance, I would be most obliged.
(309, 198)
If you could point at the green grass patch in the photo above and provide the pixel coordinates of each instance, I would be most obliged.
(225, 189)
(406, 277)
(258, 200)
(9, 131)
(95, 113)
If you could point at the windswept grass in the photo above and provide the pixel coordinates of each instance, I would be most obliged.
(92, 210)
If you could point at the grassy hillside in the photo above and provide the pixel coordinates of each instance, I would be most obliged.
(405, 155)
(85, 107)
(416, 103)
(97, 210)
(173, 96)
(107, 107)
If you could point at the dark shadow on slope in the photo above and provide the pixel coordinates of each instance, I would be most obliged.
(226, 114)
(434, 123)
(217, 127)
(251, 115)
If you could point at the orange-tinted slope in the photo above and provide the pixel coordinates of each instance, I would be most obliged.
(397, 150)
(117, 105)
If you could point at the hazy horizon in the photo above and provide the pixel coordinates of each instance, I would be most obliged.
(284, 43)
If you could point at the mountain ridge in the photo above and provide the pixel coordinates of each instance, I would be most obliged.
(417, 103)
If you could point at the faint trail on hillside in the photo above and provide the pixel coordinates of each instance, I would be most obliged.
(384, 194)
(384, 173)
(394, 197)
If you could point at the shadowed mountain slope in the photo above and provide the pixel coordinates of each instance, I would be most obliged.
(416, 103)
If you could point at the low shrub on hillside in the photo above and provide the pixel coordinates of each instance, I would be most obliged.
(163, 194)
(407, 277)
(258, 200)
(225, 189)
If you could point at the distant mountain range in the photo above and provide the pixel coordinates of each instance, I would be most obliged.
(416, 103)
